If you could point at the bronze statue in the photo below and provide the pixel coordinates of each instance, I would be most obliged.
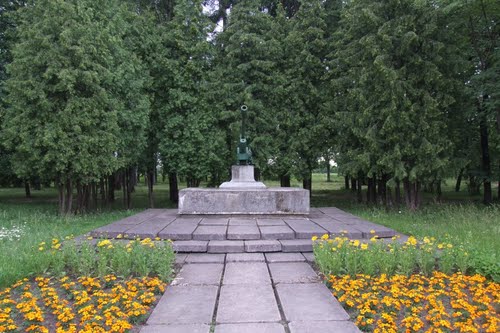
(243, 151)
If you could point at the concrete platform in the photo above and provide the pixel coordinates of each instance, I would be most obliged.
(239, 234)
(217, 201)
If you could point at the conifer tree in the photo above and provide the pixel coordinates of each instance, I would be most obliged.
(67, 81)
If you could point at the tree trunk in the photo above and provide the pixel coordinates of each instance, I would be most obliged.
(459, 180)
(407, 192)
(111, 188)
(150, 183)
(486, 162)
(285, 181)
(328, 172)
(353, 184)
(129, 184)
(79, 197)
(192, 181)
(62, 202)
(359, 193)
(133, 179)
(27, 189)
(173, 187)
(307, 184)
(398, 194)
(346, 182)
(412, 194)
(382, 189)
(371, 194)
(69, 197)
(124, 188)
(257, 174)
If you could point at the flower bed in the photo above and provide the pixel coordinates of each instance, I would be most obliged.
(85, 304)
(416, 303)
(415, 286)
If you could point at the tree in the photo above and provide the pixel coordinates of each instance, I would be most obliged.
(390, 62)
(478, 24)
(190, 142)
(65, 89)
(306, 50)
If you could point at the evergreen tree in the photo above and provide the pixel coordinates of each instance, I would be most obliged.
(190, 141)
(392, 83)
(65, 89)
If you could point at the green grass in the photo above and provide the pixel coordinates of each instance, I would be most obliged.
(39, 222)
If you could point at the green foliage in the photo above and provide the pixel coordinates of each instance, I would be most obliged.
(136, 258)
(190, 141)
(29, 224)
(475, 228)
(390, 59)
(340, 256)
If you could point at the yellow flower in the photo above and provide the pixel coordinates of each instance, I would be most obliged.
(364, 246)
(104, 242)
(324, 237)
(314, 238)
(372, 231)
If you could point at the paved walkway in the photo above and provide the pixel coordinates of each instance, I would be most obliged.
(248, 293)
(245, 274)
(235, 234)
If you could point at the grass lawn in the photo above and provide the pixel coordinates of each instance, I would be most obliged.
(36, 220)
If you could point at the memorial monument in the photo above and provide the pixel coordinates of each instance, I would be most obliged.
(243, 195)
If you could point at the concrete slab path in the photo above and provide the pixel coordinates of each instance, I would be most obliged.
(248, 293)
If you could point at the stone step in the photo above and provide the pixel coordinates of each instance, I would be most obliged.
(242, 234)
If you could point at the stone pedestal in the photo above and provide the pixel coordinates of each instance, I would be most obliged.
(275, 200)
(242, 176)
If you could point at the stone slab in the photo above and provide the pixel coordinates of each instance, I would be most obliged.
(139, 217)
(305, 230)
(249, 273)
(205, 258)
(199, 274)
(309, 256)
(337, 326)
(227, 246)
(190, 246)
(178, 230)
(277, 232)
(241, 232)
(250, 328)
(296, 245)
(293, 272)
(270, 222)
(245, 257)
(262, 246)
(244, 201)
(309, 302)
(340, 229)
(180, 258)
(111, 230)
(196, 328)
(241, 304)
(210, 232)
(379, 230)
(285, 257)
(185, 305)
(242, 221)
(214, 221)
(150, 228)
